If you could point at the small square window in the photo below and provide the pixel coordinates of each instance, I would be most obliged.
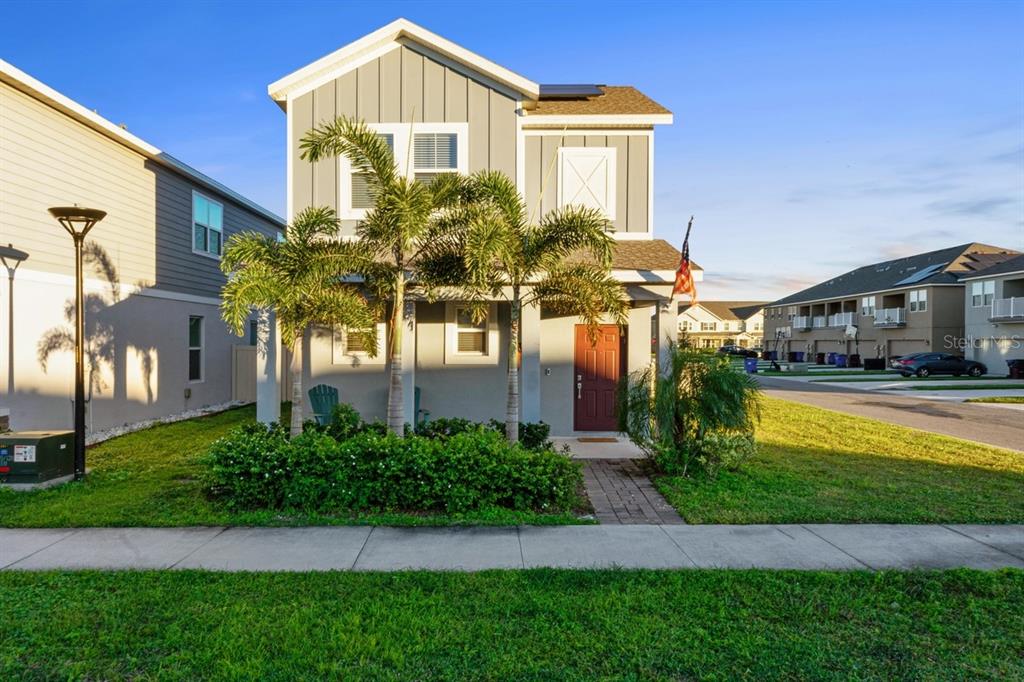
(472, 336)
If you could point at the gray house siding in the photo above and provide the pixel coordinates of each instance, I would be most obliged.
(401, 86)
(993, 342)
(632, 170)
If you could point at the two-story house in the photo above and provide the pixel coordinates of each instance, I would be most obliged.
(994, 315)
(907, 305)
(449, 109)
(155, 344)
(713, 324)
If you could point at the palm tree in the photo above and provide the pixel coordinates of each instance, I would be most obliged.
(488, 248)
(300, 279)
(394, 235)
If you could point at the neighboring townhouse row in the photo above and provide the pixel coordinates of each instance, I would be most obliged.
(994, 315)
(907, 305)
(713, 324)
(448, 109)
(155, 342)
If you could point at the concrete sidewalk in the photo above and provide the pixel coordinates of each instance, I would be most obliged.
(810, 546)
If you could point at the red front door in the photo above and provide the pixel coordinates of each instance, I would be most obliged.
(596, 378)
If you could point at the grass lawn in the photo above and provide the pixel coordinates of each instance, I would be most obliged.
(815, 465)
(997, 399)
(963, 387)
(825, 373)
(523, 625)
(897, 377)
(151, 478)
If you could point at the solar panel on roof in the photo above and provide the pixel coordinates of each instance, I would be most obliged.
(922, 274)
(569, 90)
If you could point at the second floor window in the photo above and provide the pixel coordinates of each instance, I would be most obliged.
(982, 293)
(867, 306)
(436, 148)
(207, 225)
(707, 326)
(918, 300)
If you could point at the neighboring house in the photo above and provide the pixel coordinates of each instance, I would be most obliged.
(562, 144)
(896, 307)
(155, 343)
(713, 324)
(994, 315)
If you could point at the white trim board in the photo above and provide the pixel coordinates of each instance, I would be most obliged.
(339, 60)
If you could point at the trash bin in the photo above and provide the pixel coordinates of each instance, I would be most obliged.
(819, 359)
(853, 361)
(750, 365)
(840, 360)
(874, 363)
(791, 356)
(1016, 368)
(799, 356)
(830, 358)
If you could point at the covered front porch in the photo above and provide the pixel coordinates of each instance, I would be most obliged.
(453, 368)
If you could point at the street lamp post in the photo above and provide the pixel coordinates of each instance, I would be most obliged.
(78, 221)
(11, 258)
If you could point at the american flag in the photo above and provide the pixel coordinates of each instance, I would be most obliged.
(684, 278)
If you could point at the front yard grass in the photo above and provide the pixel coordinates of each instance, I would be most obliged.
(818, 466)
(152, 478)
(997, 399)
(961, 387)
(513, 625)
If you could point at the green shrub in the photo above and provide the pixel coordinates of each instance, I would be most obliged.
(700, 414)
(371, 471)
(532, 435)
(445, 427)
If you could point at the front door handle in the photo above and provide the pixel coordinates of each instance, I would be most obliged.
(579, 390)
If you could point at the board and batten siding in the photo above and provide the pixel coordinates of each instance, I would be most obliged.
(49, 159)
(632, 173)
(401, 86)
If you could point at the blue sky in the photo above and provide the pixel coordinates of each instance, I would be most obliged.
(809, 138)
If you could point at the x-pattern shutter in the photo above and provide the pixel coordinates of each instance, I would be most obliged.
(586, 177)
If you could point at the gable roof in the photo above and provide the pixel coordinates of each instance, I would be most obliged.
(612, 100)
(728, 310)
(25, 83)
(1012, 266)
(945, 266)
(370, 45)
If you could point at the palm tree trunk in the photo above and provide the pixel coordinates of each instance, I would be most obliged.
(512, 406)
(298, 358)
(396, 398)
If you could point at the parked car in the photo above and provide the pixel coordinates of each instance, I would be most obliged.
(926, 364)
(730, 349)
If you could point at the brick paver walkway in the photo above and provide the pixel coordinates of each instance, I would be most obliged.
(622, 493)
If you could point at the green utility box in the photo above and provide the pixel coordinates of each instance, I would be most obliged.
(36, 459)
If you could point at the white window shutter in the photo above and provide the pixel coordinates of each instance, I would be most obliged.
(586, 177)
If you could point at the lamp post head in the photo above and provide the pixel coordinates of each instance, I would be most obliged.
(12, 257)
(77, 220)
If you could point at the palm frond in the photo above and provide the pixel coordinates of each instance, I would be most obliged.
(352, 138)
(585, 291)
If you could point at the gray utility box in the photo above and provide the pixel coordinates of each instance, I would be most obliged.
(30, 459)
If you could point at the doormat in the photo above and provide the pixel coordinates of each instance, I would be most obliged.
(586, 439)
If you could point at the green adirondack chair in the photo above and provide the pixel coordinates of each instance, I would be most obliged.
(323, 398)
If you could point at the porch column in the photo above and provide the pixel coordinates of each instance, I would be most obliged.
(268, 368)
(409, 362)
(638, 339)
(529, 369)
(668, 331)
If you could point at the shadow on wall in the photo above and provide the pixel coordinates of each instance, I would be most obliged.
(105, 342)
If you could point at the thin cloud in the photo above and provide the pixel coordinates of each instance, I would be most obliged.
(971, 207)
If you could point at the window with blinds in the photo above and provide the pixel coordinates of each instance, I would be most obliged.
(471, 337)
(434, 153)
(362, 193)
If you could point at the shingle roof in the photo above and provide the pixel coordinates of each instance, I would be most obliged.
(1015, 264)
(616, 99)
(949, 265)
(642, 254)
(729, 310)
